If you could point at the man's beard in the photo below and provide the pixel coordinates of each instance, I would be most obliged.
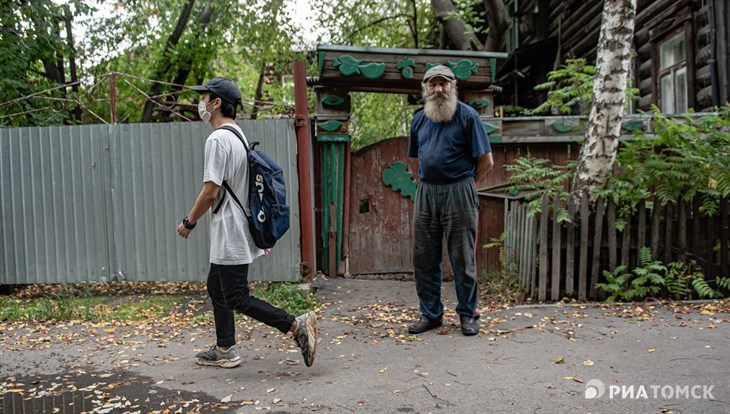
(440, 107)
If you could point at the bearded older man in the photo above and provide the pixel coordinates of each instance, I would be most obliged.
(454, 156)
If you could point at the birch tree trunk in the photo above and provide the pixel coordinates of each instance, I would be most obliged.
(598, 152)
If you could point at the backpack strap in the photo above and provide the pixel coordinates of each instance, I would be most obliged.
(225, 184)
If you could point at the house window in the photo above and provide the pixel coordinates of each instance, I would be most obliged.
(673, 75)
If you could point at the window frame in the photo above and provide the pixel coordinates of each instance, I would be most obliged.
(663, 28)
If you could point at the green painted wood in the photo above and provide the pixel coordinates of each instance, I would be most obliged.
(331, 125)
(320, 61)
(400, 179)
(563, 127)
(405, 62)
(333, 137)
(372, 70)
(490, 127)
(333, 100)
(325, 202)
(479, 103)
(339, 205)
(495, 139)
(632, 125)
(429, 65)
(348, 65)
(463, 69)
(406, 66)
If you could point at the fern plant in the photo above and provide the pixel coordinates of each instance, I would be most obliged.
(570, 89)
(686, 158)
(645, 280)
(541, 176)
(684, 281)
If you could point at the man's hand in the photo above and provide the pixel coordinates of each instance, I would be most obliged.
(485, 163)
(183, 231)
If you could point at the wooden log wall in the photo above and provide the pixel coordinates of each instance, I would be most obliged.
(576, 26)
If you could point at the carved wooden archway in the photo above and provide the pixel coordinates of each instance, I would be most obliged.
(345, 69)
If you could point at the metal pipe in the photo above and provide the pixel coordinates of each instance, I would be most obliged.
(304, 163)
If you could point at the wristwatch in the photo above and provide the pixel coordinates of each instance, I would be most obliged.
(187, 224)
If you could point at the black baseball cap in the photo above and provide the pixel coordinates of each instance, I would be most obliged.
(222, 87)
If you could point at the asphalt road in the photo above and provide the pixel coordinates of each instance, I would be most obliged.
(636, 358)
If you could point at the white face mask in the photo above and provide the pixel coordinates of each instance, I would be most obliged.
(203, 111)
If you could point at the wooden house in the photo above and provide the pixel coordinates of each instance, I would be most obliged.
(680, 60)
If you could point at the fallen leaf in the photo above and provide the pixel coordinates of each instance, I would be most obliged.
(560, 360)
(227, 398)
(588, 362)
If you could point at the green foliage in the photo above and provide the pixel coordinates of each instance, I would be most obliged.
(570, 89)
(288, 296)
(539, 175)
(376, 117)
(686, 158)
(685, 280)
(33, 49)
(644, 280)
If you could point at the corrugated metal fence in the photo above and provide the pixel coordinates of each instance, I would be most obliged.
(102, 202)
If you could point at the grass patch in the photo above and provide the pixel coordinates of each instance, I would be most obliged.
(135, 302)
(288, 296)
(85, 308)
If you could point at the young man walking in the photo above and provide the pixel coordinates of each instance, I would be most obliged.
(232, 249)
(453, 152)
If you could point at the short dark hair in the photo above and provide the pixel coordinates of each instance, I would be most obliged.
(228, 109)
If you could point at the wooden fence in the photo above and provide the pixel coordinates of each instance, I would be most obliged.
(555, 260)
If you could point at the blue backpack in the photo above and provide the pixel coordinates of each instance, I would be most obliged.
(268, 216)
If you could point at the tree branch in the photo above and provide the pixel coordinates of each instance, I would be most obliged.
(377, 22)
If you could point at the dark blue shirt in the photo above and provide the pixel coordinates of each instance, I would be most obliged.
(447, 151)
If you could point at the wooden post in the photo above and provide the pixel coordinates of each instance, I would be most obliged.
(585, 216)
(570, 251)
(557, 242)
(668, 229)
(611, 228)
(597, 242)
(544, 214)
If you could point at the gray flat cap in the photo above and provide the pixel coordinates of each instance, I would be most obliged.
(439, 71)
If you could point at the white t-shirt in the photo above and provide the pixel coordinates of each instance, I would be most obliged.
(230, 238)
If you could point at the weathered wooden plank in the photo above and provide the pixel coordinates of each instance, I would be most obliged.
(583, 254)
(508, 236)
(557, 242)
(710, 246)
(656, 219)
(611, 229)
(532, 231)
(597, 244)
(668, 228)
(696, 233)
(641, 230)
(724, 231)
(544, 264)
(682, 233)
(519, 211)
(626, 243)
(570, 251)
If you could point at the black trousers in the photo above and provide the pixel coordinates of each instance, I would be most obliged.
(229, 292)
